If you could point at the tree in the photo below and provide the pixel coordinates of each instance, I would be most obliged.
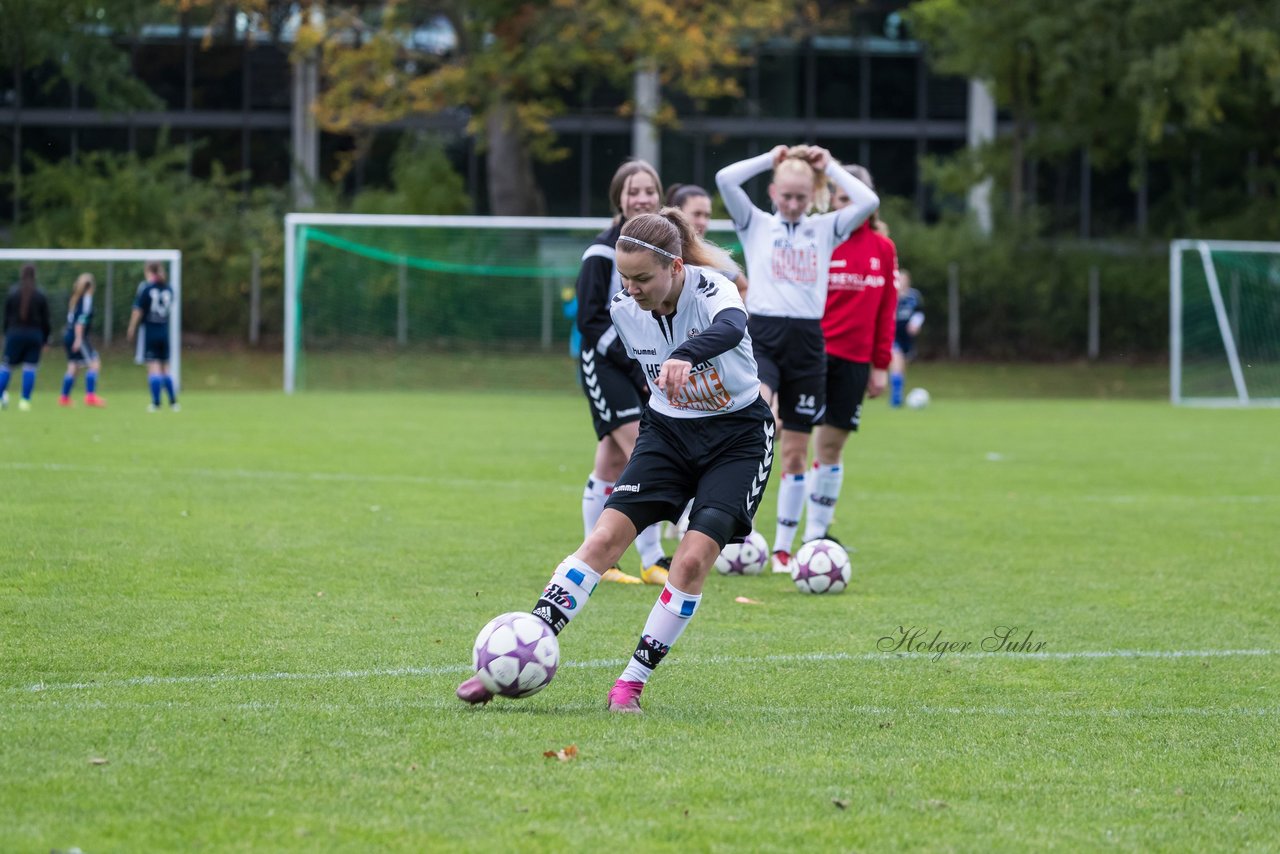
(512, 64)
(1126, 80)
(67, 38)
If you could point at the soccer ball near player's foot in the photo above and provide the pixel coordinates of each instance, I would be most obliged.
(821, 566)
(516, 654)
(917, 398)
(748, 557)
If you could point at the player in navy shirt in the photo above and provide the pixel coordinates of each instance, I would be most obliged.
(152, 308)
(76, 341)
(910, 318)
(26, 331)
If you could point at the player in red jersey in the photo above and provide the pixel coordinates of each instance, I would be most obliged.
(858, 326)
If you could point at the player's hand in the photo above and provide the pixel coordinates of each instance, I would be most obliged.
(819, 158)
(877, 381)
(913, 327)
(673, 376)
(779, 153)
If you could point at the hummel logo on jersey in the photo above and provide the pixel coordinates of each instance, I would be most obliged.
(626, 487)
(618, 296)
(644, 351)
(623, 413)
(706, 287)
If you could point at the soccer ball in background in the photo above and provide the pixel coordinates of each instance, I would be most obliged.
(821, 566)
(516, 654)
(748, 557)
(917, 398)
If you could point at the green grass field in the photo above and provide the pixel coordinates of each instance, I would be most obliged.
(239, 628)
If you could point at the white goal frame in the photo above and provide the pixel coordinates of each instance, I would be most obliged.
(293, 221)
(1204, 249)
(173, 257)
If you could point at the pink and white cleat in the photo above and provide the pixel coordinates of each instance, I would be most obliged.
(473, 691)
(624, 696)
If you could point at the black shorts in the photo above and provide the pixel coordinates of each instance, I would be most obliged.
(614, 393)
(904, 342)
(846, 386)
(23, 346)
(155, 347)
(720, 461)
(792, 359)
(84, 355)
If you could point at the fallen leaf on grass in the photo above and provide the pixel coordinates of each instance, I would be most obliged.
(743, 600)
(98, 760)
(564, 755)
(840, 803)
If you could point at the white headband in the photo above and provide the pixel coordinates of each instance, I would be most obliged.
(648, 246)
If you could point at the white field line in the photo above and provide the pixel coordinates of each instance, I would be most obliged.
(464, 482)
(442, 702)
(455, 669)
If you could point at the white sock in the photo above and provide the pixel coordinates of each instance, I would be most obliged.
(822, 485)
(566, 594)
(649, 544)
(667, 621)
(593, 498)
(790, 503)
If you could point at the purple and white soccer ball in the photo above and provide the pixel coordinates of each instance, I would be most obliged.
(821, 566)
(748, 557)
(516, 654)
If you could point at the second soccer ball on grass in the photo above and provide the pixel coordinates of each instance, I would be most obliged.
(821, 566)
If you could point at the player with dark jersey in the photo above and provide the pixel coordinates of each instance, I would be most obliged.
(858, 328)
(910, 317)
(707, 435)
(152, 307)
(614, 386)
(81, 353)
(788, 253)
(26, 332)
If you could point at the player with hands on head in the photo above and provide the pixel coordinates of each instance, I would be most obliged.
(788, 255)
(857, 326)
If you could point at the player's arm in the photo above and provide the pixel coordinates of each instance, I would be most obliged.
(740, 281)
(862, 200)
(134, 318)
(730, 179)
(885, 321)
(593, 293)
(725, 332)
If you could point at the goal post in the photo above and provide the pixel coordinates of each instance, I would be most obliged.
(367, 291)
(107, 266)
(1224, 323)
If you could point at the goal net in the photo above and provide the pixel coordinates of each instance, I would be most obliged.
(1224, 323)
(369, 297)
(117, 274)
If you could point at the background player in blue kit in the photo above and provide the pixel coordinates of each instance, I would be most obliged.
(910, 318)
(26, 331)
(151, 308)
(76, 340)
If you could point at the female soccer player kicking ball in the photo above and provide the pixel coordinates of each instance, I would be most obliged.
(705, 434)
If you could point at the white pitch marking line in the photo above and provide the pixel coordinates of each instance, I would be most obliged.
(351, 477)
(447, 669)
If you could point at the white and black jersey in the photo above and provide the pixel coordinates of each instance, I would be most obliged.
(788, 262)
(721, 383)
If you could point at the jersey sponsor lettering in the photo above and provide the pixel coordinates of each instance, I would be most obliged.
(856, 281)
(798, 264)
(704, 392)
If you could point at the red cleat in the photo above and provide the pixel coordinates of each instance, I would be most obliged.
(94, 400)
(65, 400)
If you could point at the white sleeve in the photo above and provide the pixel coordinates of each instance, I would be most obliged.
(862, 202)
(730, 179)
